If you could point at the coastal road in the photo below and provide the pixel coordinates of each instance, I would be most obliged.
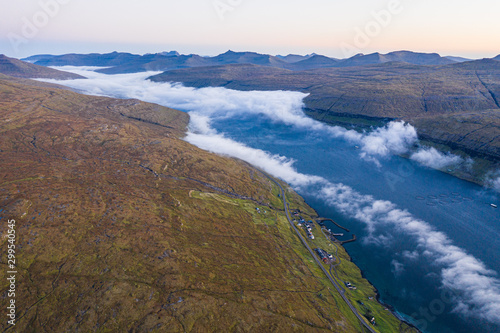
(329, 276)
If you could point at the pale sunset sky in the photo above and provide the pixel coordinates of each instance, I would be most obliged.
(208, 27)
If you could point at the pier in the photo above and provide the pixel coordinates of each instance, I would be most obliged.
(321, 219)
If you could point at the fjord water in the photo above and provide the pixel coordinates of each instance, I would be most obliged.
(457, 208)
(408, 272)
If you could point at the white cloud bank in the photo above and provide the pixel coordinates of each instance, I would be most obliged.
(279, 106)
(479, 287)
(493, 180)
(495, 184)
(432, 158)
(276, 165)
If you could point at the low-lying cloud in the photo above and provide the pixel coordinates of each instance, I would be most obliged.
(478, 286)
(219, 103)
(432, 158)
(493, 180)
(277, 165)
(395, 138)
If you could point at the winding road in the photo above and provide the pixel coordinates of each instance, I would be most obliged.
(340, 290)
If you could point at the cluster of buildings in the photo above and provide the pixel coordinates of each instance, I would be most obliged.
(350, 286)
(325, 256)
(307, 225)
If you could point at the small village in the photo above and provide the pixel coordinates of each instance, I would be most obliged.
(326, 257)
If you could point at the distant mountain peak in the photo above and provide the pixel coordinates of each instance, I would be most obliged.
(407, 52)
(294, 58)
(458, 59)
(169, 53)
(404, 56)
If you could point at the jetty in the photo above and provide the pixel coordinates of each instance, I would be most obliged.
(349, 241)
(321, 219)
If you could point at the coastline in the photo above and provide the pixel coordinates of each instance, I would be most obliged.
(390, 307)
(488, 164)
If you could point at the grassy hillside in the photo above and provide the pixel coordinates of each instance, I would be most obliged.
(123, 226)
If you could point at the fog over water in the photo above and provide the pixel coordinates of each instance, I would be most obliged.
(324, 163)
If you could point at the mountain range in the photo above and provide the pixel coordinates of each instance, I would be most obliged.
(130, 63)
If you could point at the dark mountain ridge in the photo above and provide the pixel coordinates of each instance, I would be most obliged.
(129, 63)
(92, 59)
(157, 62)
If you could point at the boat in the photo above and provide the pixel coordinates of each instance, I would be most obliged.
(494, 206)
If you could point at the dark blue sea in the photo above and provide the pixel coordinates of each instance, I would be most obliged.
(457, 208)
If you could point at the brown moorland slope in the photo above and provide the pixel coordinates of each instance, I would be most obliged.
(123, 226)
(21, 69)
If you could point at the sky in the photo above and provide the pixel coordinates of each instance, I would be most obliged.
(208, 27)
